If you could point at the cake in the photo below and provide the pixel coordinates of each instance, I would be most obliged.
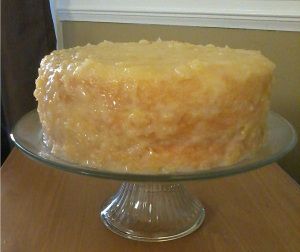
(153, 107)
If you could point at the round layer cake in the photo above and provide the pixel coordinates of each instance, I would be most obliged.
(152, 107)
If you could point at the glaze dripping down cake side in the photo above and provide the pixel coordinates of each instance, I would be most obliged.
(154, 106)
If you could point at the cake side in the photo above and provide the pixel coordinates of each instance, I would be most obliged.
(154, 107)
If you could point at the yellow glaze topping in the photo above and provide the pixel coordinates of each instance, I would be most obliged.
(153, 107)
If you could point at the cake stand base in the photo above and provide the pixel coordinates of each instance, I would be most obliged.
(152, 212)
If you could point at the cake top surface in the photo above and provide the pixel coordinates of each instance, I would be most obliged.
(160, 58)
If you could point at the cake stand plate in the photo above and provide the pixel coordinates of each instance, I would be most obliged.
(154, 207)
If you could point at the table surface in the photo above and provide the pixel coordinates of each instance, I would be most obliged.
(45, 209)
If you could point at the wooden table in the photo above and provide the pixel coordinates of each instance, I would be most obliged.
(44, 209)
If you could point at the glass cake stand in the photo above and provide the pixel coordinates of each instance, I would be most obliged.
(154, 207)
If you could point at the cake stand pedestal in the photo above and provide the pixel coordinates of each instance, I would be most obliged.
(152, 211)
(154, 207)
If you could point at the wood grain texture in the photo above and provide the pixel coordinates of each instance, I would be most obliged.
(44, 209)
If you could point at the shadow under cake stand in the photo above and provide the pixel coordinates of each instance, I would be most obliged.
(154, 207)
